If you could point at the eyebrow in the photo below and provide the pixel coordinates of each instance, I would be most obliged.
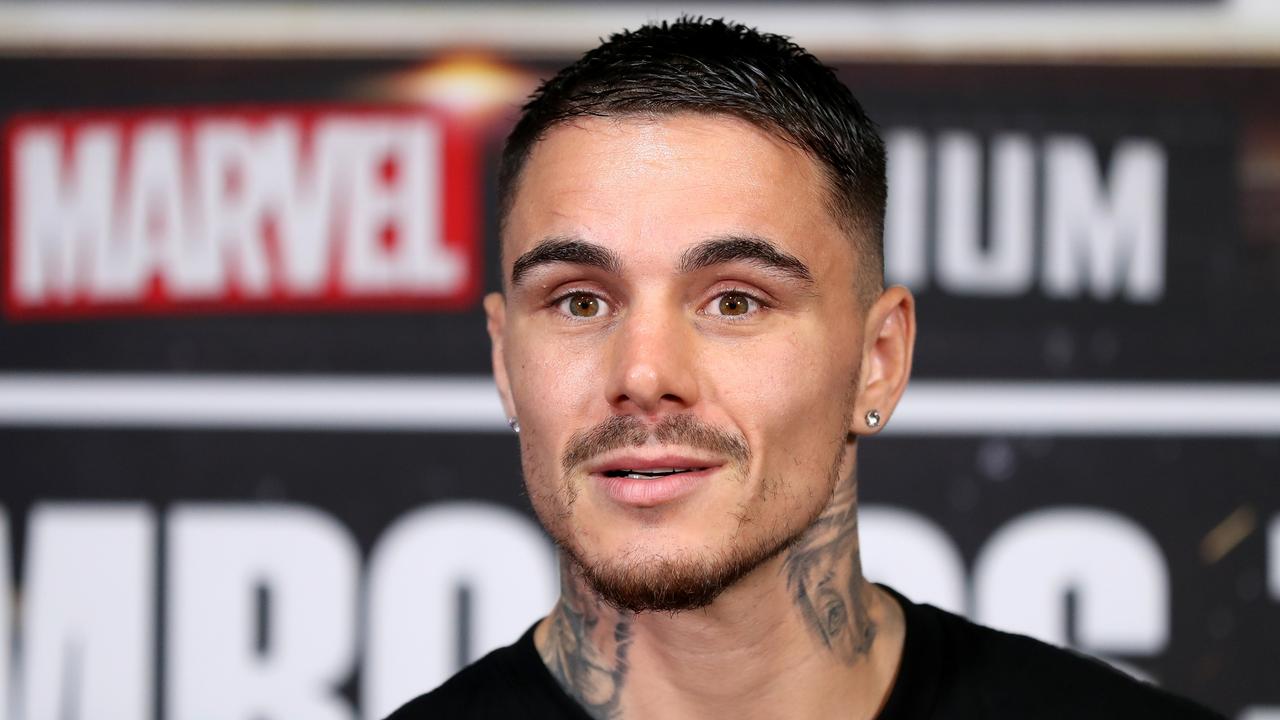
(744, 248)
(563, 249)
(714, 251)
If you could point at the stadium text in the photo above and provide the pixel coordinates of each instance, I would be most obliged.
(1055, 216)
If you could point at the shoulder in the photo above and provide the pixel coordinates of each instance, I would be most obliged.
(1017, 676)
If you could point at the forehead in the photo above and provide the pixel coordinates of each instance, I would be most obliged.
(653, 181)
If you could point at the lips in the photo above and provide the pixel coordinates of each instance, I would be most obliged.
(648, 481)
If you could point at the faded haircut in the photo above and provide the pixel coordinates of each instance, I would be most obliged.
(697, 65)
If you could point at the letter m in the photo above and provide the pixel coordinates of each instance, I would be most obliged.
(61, 201)
(1104, 237)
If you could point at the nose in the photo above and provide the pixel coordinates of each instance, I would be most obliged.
(652, 363)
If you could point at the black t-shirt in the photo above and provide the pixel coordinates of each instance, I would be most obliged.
(951, 668)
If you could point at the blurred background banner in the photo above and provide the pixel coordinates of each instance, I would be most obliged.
(253, 465)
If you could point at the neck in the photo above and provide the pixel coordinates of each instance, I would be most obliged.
(804, 635)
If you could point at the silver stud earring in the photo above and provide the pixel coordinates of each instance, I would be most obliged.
(873, 418)
(514, 424)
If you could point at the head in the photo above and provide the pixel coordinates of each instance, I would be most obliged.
(693, 324)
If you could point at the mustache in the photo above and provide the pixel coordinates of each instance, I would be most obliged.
(622, 431)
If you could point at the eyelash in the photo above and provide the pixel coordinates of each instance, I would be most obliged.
(556, 301)
(761, 305)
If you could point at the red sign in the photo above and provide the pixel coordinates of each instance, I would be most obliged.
(238, 209)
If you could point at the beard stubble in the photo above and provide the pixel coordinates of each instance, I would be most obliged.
(663, 583)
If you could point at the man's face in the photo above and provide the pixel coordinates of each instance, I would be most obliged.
(680, 297)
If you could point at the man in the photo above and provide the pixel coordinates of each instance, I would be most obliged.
(692, 338)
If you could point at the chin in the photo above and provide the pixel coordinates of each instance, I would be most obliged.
(665, 574)
(661, 583)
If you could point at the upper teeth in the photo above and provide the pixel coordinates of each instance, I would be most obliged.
(653, 472)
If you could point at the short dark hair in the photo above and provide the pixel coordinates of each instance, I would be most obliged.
(697, 65)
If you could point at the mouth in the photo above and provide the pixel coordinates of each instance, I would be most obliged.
(647, 481)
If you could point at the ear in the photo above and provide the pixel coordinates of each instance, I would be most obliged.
(889, 339)
(495, 310)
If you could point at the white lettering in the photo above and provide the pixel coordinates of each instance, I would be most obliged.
(419, 571)
(964, 267)
(63, 207)
(229, 207)
(390, 241)
(904, 225)
(88, 612)
(310, 205)
(234, 165)
(154, 223)
(261, 620)
(1109, 564)
(1104, 242)
(1269, 712)
(911, 554)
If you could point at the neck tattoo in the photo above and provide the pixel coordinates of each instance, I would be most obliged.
(587, 658)
(824, 576)
(587, 641)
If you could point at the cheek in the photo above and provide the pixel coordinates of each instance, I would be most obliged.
(552, 385)
(789, 393)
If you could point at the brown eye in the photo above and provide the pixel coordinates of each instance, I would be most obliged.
(734, 304)
(583, 305)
